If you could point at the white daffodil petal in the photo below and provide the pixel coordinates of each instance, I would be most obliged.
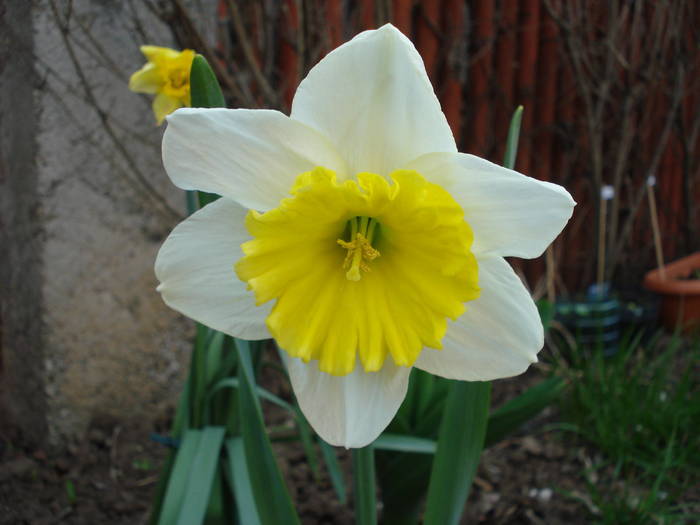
(373, 99)
(498, 336)
(351, 410)
(511, 215)
(250, 156)
(195, 270)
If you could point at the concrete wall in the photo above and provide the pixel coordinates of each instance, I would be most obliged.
(85, 205)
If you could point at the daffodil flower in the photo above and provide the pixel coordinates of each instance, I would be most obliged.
(167, 76)
(354, 234)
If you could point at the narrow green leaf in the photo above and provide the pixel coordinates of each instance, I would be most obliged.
(201, 475)
(70, 492)
(513, 137)
(179, 475)
(514, 413)
(243, 492)
(546, 311)
(400, 443)
(334, 469)
(161, 488)
(305, 434)
(205, 91)
(460, 442)
(307, 442)
(271, 497)
(364, 485)
(220, 507)
(233, 382)
(214, 355)
(198, 375)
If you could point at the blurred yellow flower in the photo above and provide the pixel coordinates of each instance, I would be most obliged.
(167, 76)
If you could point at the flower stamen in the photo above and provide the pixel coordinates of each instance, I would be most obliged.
(360, 249)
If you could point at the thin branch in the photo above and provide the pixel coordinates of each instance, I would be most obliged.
(249, 54)
(163, 205)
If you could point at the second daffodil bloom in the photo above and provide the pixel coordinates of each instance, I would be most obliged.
(167, 76)
(354, 234)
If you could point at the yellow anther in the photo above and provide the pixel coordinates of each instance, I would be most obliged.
(360, 252)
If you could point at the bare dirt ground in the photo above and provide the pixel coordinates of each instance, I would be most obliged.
(109, 476)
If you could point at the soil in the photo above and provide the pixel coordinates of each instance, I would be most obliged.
(109, 476)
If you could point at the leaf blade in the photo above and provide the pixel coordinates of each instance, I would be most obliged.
(460, 443)
(205, 91)
(514, 413)
(271, 497)
(177, 482)
(243, 491)
(201, 476)
(513, 138)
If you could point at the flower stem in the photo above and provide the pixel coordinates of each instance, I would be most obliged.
(364, 485)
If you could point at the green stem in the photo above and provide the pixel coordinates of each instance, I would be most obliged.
(191, 201)
(364, 483)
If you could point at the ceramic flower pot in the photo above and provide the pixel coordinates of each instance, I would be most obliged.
(679, 291)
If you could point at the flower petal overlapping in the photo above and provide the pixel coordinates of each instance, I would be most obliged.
(364, 112)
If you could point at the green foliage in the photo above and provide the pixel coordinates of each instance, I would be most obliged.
(364, 485)
(521, 409)
(460, 442)
(204, 87)
(334, 470)
(142, 464)
(640, 408)
(237, 469)
(271, 497)
(205, 93)
(70, 492)
(513, 139)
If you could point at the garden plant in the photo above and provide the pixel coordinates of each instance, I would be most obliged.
(355, 237)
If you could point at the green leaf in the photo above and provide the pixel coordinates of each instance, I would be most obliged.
(242, 489)
(271, 497)
(205, 91)
(214, 355)
(334, 469)
(307, 442)
(365, 485)
(201, 476)
(460, 442)
(177, 482)
(514, 413)
(546, 311)
(513, 137)
(400, 443)
(70, 492)
(220, 508)
(161, 488)
(305, 434)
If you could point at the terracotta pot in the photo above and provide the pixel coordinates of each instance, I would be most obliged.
(680, 296)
